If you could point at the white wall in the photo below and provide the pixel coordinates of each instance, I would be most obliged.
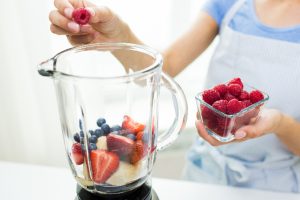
(29, 123)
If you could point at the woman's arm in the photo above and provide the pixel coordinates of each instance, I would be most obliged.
(288, 131)
(106, 26)
(190, 45)
(186, 48)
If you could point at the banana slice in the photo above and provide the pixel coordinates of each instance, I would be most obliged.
(86, 172)
(86, 181)
(101, 143)
(126, 173)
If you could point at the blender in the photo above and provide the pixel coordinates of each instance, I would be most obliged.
(108, 96)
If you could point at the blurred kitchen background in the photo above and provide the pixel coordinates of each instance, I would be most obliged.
(29, 122)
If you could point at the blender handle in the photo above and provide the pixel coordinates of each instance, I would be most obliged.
(181, 110)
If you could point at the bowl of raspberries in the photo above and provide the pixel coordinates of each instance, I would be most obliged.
(228, 106)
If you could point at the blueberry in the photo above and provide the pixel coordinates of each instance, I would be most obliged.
(125, 132)
(105, 128)
(81, 134)
(80, 124)
(93, 139)
(98, 132)
(81, 140)
(101, 121)
(91, 132)
(115, 128)
(82, 147)
(92, 146)
(115, 133)
(131, 136)
(77, 137)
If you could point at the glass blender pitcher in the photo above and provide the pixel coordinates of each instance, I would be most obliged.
(108, 96)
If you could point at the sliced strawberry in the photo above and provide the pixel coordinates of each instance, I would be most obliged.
(77, 153)
(140, 150)
(139, 135)
(120, 145)
(130, 124)
(104, 164)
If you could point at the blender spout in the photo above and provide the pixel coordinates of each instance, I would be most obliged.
(46, 68)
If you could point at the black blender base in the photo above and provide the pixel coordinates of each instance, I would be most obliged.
(144, 192)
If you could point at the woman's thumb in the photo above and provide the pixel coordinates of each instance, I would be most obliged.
(100, 14)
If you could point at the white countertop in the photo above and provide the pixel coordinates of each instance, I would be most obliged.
(32, 182)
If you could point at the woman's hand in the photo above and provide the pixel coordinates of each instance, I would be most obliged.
(268, 122)
(104, 25)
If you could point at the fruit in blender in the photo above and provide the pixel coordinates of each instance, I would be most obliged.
(77, 153)
(104, 164)
(120, 145)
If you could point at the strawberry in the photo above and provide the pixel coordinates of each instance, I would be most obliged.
(104, 164)
(235, 89)
(234, 106)
(244, 95)
(129, 124)
(81, 16)
(236, 81)
(140, 150)
(120, 145)
(210, 96)
(222, 89)
(256, 96)
(125, 132)
(221, 105)
(77, 153)
(139, 135)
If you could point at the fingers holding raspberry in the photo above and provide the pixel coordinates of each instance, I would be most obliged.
(62, 24)
(95, 24)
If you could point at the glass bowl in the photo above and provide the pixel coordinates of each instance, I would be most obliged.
(223, 126)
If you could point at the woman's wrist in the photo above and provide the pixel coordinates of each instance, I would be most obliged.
(126, 35)
(284, 122)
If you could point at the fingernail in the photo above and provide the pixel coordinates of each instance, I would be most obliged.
(68, 12)
(240, 134)
(73, 27)
(91, 10)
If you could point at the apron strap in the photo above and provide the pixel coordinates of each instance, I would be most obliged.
(230, 14)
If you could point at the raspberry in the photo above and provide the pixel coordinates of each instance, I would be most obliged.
(221, 105)
(223, 122)
(235, 89)
(222, 89)
(228, 96)
(237, 81)
(211, 124)
(247, 103)
(81, 16)
(207, 113)
(244, 95)
(256, 96)
(210, 96)
(234, 106)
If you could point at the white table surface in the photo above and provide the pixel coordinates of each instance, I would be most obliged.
(32, 182)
